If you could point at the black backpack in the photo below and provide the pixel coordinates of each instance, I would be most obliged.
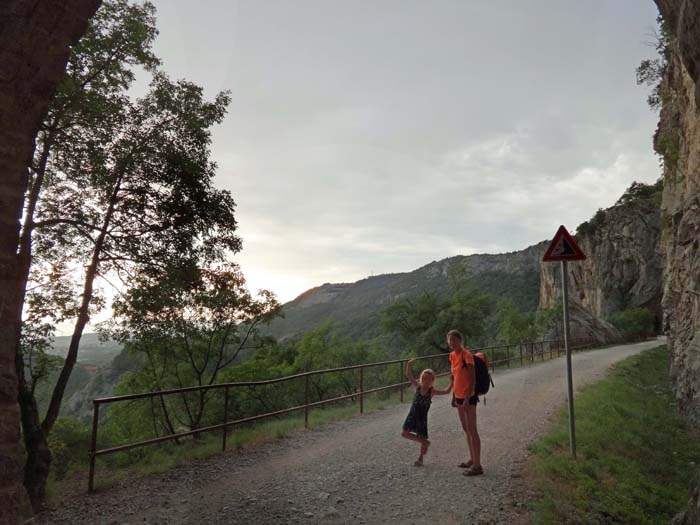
(483, 377)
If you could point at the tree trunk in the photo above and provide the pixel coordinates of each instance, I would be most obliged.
(38, 455)
(38, 460)
(81, 322)
(35, 40)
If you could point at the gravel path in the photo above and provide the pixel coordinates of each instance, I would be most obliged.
(360, 470)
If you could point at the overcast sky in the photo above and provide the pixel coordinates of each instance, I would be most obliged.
(369, 137)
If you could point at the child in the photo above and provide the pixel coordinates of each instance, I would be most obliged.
(415, 427)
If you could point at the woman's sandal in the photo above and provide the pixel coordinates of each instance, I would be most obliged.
(474, 470)
(465, 465)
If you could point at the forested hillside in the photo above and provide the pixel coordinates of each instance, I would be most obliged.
(355, 308)
(93, 351)
(97, 372)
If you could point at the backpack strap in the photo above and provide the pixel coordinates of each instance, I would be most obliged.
(464, 359)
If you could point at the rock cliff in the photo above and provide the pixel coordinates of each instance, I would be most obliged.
(623, 267)
(677, 140)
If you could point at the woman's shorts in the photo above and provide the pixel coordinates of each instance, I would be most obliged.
(460, 400)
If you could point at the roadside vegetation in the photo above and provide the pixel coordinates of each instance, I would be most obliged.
(137, 420)
(71, 439)
(634, 323)
(634, 453)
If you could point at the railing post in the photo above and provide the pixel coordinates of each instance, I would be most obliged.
(508, 355)
(362, 388)
(306, 402)
(520, 347)
(223, 437)
(93, 445)
(401, 381)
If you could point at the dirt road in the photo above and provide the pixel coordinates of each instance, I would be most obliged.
(360, 470)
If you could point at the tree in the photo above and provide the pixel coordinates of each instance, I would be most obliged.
(422, 322)
(651, 71)
(88, 103)
(515, 326)
(466, 311)
(638, 191)
(255, 400)
(323, 348)
(412, 317)
(548, 320)
(188, 324)
(634, 323)
(35, 40)
(146, 198)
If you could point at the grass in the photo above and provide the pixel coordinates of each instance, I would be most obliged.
(635, 454)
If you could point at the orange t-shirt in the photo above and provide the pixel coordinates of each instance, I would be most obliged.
(463, 376)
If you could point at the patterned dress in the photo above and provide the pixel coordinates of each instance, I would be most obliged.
(417, 419)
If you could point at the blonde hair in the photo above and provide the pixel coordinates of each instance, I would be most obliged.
(428, 371)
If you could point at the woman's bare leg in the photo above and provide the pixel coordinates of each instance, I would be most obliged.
(475, 440)
(465, 427)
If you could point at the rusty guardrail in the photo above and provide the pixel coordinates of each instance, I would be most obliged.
(499, 356)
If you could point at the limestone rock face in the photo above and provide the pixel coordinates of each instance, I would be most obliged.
(678, 140)
(623, 268)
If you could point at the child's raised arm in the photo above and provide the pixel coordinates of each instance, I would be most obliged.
(409, 373)
(437, 392)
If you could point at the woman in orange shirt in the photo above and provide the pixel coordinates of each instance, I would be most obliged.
(465, 399)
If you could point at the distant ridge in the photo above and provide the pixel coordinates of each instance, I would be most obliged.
(356, 307)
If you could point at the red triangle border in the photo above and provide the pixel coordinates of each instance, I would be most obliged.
(578, 254)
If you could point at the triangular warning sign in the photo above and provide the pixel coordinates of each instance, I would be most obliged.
(563, 248)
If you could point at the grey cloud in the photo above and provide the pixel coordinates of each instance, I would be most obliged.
(377, 136)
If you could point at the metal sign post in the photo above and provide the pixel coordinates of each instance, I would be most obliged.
(563, 248)
(567, 349)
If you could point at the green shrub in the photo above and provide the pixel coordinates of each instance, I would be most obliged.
(638, 191)
(634, 323)
(69, 441)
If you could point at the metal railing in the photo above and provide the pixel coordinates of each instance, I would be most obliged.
(500, 356)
